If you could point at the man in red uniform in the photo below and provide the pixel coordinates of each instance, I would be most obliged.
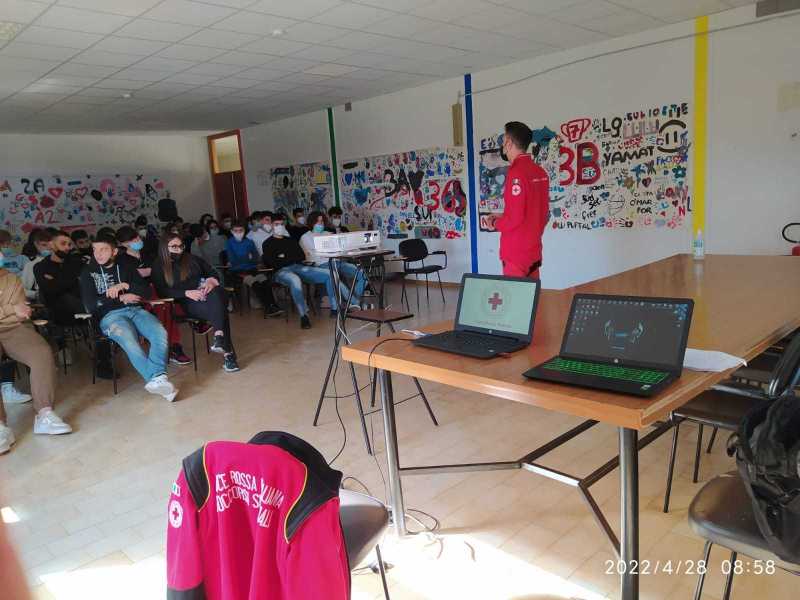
(527, 206)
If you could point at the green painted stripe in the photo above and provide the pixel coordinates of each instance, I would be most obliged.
(334, 165)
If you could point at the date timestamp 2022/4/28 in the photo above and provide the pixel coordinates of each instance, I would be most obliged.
(688, 567)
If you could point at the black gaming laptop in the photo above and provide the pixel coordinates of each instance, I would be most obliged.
(627, 344)
(495, 316)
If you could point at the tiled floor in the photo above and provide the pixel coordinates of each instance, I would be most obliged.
(92, 505)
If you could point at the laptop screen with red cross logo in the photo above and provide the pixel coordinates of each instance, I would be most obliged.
(498, 305)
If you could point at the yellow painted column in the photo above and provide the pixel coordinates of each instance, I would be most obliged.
(700, 126)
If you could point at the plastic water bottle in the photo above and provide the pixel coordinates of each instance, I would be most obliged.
(698, 246)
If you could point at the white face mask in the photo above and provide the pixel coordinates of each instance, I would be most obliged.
(267, 227)
(280, 231)
(301, 220)
(336, 222)
(143, 233)
(238, 236)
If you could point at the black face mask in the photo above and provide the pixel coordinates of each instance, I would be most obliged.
(85, 251)
(175, 256)
(61, 254)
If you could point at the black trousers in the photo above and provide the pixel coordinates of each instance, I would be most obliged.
(63, 312)
(7, 374)
(215, 311)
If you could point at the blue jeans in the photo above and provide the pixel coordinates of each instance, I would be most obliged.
(293, 277)
(349, 271)
(125, 325)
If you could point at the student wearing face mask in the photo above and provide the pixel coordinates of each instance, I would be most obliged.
(226, 224)
(83, 244)
(149, 235)
(213, 245)
(130, 250)
(196, 286)
(243, 259)
(40, 240)
(299, 226)
(260, 235)
(347, 270)
(11, 260)
(113, 293)
(286, 256)
(335, 220)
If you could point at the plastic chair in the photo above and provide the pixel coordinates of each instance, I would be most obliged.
(364, 521)
(416, 251)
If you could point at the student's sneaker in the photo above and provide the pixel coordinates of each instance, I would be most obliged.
(178, 357)
(219, 344)
(273, 310)
(12, 395)
(305, 322)
(230, 365)
(6, 438)
(161, 386)
(48, 422)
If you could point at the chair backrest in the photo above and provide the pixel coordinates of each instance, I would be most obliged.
(414, 249)
(786, 373)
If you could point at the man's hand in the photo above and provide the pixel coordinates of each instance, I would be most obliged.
(130, 298)
(23, 311)
(115, 290)
(209, 285)
(196, 295)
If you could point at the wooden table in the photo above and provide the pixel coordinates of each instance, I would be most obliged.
(743, 304)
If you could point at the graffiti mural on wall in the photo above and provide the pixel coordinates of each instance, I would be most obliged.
(80, 202)
(307, 186)
(416, 194)
(620, 171)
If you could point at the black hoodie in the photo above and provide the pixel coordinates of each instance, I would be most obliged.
(96, 279)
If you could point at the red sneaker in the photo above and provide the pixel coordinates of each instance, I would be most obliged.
(178, 357)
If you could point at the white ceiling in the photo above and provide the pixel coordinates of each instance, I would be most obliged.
(214, 64)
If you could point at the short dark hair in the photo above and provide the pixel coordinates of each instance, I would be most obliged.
(41, 235)
(334, 211)
(314, 215)
(104, 237)
(141, 221)
(519, 134)
(60, 233)
(239, 223)
(126, 233)
(79, 234)
(267, 213)
(298, 209)
(106, 232)
(279, 216)
(196, 230)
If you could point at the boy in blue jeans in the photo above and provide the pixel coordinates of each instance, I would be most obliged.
(243, 258)
(113, 292)
(284, 254)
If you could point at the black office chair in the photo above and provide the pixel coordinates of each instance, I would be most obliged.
(724, 406)
(416, 251)
(722, 514)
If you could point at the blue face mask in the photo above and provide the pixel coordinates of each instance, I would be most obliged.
(319, 228)
(44, 253)
(8, 252)
(137, 246)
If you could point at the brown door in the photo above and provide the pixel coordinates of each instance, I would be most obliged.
(227, 173)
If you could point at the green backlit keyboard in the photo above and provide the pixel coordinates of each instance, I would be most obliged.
(608, 371)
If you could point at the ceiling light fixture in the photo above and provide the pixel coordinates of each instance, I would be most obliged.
(9, 30)
(127, 95)
(277, 32)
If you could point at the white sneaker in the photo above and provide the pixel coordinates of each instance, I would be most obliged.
(48, 422)
(6, 439)
(162, 386)
(12, 395)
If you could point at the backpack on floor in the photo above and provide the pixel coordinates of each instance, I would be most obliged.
(767, 449)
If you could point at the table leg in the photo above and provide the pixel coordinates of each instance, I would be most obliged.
(629, 506)
(392, 458)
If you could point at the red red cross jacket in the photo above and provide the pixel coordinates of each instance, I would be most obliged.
(526, 197)
(256, 521)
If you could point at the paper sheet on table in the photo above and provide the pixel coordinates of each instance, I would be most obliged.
(711, 360)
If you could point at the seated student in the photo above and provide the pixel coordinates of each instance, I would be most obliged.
(83, 243)
(57, 278)
(335, 218)
(243, 262)
(204, 219)
(20, 342)
(195, 285)
(226, 224)
(112, 292)
(40, 240)
(130, 248)
(285, 255)
(298, 227)
(260, 234)
(12, 261)
(214, 244)
(149, 235)
(346, 269)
